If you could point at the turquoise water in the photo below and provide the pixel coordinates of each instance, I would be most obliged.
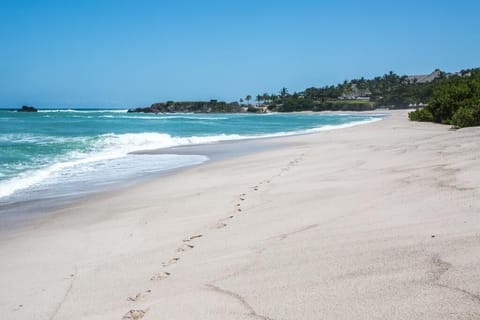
(52, 151)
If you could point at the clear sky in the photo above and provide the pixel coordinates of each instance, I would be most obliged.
(126, 53)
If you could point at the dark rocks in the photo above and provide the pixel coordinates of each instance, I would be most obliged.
(213, 106)
(144, 110)
(27, 109)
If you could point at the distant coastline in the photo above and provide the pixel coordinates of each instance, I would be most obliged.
(390, 91)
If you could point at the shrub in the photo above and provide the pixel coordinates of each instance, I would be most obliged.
(453, 94)
(421, 115)
(466, 117)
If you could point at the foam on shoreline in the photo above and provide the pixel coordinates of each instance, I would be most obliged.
(109, 147)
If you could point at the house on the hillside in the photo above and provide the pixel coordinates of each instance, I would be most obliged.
(425, 78)
(356, 93)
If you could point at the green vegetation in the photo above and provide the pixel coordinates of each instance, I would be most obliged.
(455, 100)
(389, 90)
(449, 98)
(421, 115)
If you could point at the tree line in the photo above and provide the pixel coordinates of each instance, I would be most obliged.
(390, 90)
(445, 97)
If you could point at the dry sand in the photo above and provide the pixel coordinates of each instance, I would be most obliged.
(380, 221)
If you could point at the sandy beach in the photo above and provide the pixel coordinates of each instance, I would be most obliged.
(378, 221)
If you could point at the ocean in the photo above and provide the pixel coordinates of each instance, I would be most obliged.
(66, 153)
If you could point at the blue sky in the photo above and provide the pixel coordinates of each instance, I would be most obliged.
(132, 53)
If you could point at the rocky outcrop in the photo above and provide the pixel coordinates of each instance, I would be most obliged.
(144, 110)
(212, 106)
(27, 109)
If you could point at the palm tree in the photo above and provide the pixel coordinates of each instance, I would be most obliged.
(283, 92)
(259, 98)
(241, 100)
(248, 98)
(265, 97)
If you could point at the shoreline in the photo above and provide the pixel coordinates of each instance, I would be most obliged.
(15, 215)
(375, 221)
(15, 219)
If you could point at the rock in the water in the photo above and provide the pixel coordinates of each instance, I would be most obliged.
(27, 109)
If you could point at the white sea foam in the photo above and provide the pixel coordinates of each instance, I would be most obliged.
(37, 139)
(109, 147)
(312, 130)
(74, 170)
(106, 147)
(129, 142)
(85, 111)
(193, 118)
(343, 126)
(164, 117)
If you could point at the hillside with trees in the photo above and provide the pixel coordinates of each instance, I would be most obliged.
(390, 91)
(451, 98)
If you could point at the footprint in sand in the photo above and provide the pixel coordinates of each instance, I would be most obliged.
(220, 225)
(193, 237)
(20, 306)
(185, 247)
(160, 276)
(139, 296)
(134, 314)
(170, 262)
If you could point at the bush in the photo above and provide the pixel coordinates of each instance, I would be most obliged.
(453, 94)
(421, 115)
(466, 117)
(455, 100)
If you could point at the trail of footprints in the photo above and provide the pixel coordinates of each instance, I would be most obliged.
(134, 314)
(137, 314)
(139, 295)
